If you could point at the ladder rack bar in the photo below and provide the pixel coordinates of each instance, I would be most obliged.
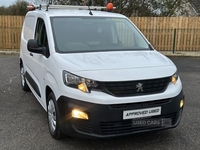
(76, 7)
(70, 7)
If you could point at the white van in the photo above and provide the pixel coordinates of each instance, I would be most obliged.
(95, 74)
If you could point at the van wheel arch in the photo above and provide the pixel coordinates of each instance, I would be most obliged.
(53, 116)
(48, 91)
(24, 85)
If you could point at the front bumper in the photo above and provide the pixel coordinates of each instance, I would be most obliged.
(107, 120)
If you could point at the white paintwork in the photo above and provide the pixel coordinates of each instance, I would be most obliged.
(99, 66)
(116, 66)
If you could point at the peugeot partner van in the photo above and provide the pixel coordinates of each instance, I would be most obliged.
(95, 73)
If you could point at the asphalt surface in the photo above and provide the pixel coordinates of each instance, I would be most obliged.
(23, 123)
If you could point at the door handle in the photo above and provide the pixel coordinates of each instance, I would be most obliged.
(31, 54)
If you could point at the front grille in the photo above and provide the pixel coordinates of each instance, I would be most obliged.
(133, 88)
(118, 127)
(140, 104)
(82, 125)
(125, 126)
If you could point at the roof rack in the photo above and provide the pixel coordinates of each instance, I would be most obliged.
(47, 6)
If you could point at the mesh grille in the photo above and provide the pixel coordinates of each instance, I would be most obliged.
(82, 125)
(132, 88)
(125, 126)
(140, 105)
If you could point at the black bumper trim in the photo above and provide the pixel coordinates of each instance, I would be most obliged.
(32, 83)
(104, 121)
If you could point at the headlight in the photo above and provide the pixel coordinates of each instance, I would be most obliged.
(82, 84)
(174, 78)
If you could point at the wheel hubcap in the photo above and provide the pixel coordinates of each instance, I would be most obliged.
(52, 116)
(22, 76)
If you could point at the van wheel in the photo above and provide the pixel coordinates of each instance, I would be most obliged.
(53, 118)
(23, 79)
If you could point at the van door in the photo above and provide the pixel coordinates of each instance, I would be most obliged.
(38, 62)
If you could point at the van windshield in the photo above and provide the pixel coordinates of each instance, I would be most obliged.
(90, 34)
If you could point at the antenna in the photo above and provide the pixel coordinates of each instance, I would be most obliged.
(47, 7)
(50, 2)
(89, 4)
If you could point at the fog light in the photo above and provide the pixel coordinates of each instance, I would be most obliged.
(79, 114)
(181, 103)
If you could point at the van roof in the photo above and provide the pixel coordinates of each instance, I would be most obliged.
(75, 12)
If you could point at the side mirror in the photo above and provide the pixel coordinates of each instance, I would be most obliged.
(33, 46)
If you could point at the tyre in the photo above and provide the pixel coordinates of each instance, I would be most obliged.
(23, 79)
(53, 118)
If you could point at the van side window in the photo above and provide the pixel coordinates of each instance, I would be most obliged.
(41, 35)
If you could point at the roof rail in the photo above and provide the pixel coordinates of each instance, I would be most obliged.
(47, 6)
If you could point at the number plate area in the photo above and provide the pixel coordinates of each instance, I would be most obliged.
(140, 113)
